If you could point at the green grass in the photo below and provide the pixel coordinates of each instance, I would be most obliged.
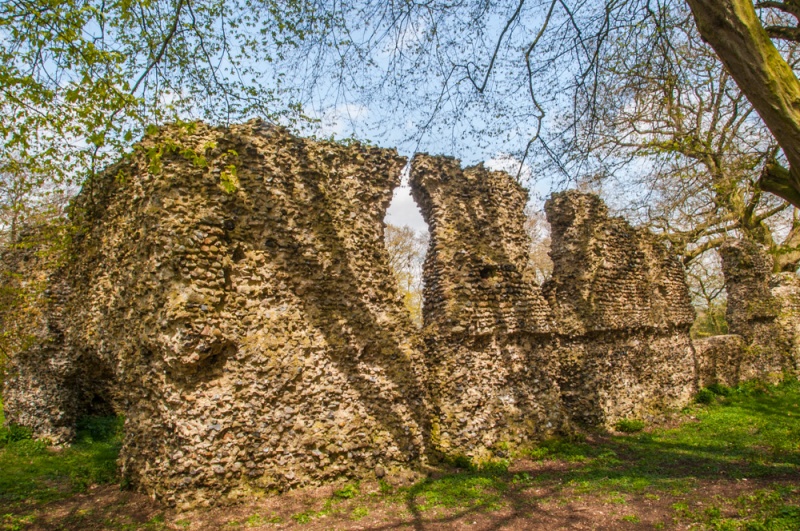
(772, 509)
(32, 472)
(257, 520)
(629, 425)
(750, 432)
(359, 512)
(333, 505)
(466, 489)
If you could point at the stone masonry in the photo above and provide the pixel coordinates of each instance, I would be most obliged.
(227, 290)
(49, 386)
(719, 359)
(255, 334)
(484, 315)
(764, 309)
(623, 311)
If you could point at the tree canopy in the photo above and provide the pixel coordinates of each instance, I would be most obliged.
(603, 90)
(82, 79)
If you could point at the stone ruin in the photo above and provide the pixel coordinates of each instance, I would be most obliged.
(253, 335)
(227, 290)
(623, 311)
(763, 315)
(606, 338)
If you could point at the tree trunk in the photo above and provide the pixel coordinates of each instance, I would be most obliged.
(732, 28)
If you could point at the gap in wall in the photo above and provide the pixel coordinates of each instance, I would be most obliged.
(406, 237)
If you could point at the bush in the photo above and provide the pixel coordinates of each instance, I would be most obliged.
(629, 425)
(14, 433)
(492, 466)
(347, 492)
(459, 461)
(99, 429)
(705, 396)
(28, 447)
(719, 389)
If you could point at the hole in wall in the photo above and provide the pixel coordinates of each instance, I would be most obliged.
(539, 243)
(406, 237)
(488, 272)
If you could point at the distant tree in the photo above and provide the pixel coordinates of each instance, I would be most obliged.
(707, 286)
(407, 249)
(539, 234)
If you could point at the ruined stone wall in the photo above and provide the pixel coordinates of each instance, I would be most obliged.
(483, 313)
(785, 287)
(608, 276)
(719, 359)
(611, 327)
(763, 308)
(38, 371)
(228, 291)
(237, 282)
(623, 311)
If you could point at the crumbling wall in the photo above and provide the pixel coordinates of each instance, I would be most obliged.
(46, 387)
(484, 316)
(719, 359)
(607, 337)
(763, 308)
(623, 311)
(237, 282)
(232, 286)
(785, 287)
(37, 366)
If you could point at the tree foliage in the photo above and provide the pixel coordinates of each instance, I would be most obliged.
(582, 89)
(742, 43)
(80, 79)
(672, 128)
(625, 84)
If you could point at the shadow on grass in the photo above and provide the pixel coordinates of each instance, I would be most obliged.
(750, 434)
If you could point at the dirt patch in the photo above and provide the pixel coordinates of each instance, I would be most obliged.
(537, 505)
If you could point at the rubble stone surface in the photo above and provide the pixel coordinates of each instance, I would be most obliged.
(255, 333)
(485, 318)
(623, 314)
(612, 334)
(719, 359)
(763, 308)
(228, 291)
(47, 385)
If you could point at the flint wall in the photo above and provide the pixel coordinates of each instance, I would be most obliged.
(228, 291)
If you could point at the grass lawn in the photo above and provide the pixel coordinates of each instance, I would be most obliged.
(730, 463)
